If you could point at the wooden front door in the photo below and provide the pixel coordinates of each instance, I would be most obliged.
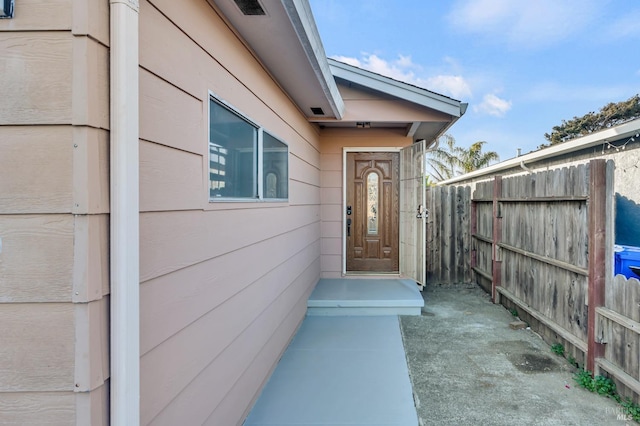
(372, 211)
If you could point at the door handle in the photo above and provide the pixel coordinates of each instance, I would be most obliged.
(349, 227)
(420, 211)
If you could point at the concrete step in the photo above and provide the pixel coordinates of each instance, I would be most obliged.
(365, 297)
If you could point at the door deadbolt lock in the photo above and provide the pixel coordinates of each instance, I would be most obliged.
(420, 211)
(348, 210)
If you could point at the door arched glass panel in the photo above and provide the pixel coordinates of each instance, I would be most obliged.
(373, 190)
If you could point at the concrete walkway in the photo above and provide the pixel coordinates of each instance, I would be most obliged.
(469, 368)
(465, 367)
(340, 370)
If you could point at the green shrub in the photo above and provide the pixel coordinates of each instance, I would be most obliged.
(605, 386)
(632, 409)
(558, 349)
(584, 380)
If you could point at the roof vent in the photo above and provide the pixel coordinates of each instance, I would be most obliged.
(250, 7)
(317, 111)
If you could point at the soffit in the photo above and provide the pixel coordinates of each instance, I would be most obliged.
(286, 41)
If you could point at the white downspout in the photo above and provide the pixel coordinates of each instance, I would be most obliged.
(125, 275)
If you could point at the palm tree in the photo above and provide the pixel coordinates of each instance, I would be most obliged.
(443, 160)
(449, 160)
(473, 158)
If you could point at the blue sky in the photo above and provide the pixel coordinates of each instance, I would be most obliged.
(523, 67)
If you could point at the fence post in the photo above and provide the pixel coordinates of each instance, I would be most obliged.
(497, 238)
(597, 211)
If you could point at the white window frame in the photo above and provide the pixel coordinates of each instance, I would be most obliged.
(259, 169)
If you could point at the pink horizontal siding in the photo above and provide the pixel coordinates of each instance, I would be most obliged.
(223, 285)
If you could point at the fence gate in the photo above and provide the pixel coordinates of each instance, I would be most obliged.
(413, 213)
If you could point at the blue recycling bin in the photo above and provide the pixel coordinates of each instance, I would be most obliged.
(624, 257)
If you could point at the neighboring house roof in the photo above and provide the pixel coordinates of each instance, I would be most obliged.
(630, 129)
(284, 37)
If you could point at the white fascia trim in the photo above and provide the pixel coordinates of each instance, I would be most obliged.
(301, 17)
(463, 110)
(624, 130)
(396, 88)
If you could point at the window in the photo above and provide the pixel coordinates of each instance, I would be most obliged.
(245, 162)
(275, 168)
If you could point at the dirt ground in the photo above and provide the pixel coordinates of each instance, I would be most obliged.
(469, 368)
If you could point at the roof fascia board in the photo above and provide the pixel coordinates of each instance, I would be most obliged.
(463, 109)
(395, 88)
(627, 129)
(301, 18)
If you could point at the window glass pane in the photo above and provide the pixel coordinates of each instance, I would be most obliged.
(232, 155)
(372, 203)
(275, 167)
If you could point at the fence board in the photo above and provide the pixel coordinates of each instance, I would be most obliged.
(483, 238)
(448, 234)
(462, 237)
(621, 332)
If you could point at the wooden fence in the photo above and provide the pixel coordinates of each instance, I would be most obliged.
(531, 249)
(618, 328)
(448, 234)
(542, 243)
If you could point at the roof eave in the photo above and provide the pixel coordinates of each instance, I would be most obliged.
(414, 130)
(301, 17)
(396, 88)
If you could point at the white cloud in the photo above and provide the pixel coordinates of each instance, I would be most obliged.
(525, 24)
(454, 85)
(404, 69)
(405, 61)
(401, 69)
(348, 60)
(493, 105)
